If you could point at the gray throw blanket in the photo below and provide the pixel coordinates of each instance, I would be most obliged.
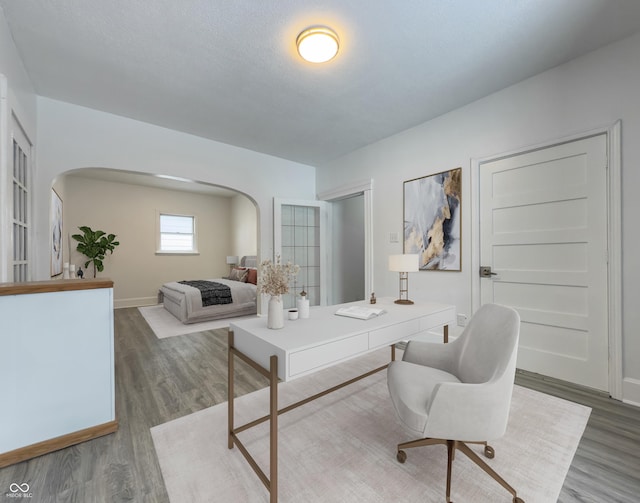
(212, 293)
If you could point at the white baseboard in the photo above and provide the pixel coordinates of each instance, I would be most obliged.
(631, 391)
(135, 302)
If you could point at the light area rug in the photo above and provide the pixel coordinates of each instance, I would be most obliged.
(342, 448)
(164, 324)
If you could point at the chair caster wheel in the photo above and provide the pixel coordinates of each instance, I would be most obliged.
(490, 453)
(518, 500)
(401, 456)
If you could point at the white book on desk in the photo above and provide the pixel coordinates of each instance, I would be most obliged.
(360, 312)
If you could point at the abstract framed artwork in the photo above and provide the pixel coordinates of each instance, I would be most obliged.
(55, 229)
(432, 220)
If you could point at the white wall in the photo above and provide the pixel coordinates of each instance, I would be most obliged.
(347, 269)
(21, 95)
(590, 92)
(73, 137)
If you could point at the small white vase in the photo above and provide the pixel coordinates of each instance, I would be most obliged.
(275, 315)
(303, 307)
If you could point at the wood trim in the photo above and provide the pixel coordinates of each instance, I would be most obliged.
(55, 444)
(614, 258)
(346, 190)
(365, 187)
(57, 285)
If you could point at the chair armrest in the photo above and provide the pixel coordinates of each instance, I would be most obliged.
(471, 412)
(432, 354)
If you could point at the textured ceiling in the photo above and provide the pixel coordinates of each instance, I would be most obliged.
(228, 70)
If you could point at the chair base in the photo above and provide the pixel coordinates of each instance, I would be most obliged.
(452, 447)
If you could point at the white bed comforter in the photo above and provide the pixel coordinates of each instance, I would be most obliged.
(185, 302)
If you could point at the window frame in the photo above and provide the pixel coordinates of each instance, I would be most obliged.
(159, 250)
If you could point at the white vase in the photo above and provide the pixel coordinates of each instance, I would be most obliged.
(275, 315)
(303, 307)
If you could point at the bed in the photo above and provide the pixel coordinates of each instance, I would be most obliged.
(185, 301)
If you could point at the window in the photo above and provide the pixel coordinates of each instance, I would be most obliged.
(177, 234)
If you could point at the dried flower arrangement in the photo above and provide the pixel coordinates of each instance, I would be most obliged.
(274, 278)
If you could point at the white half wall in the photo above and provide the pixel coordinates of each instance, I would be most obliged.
(73, 137)
(590, 92)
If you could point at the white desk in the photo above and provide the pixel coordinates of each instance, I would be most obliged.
(305, 346)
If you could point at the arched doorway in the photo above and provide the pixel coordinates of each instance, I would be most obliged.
(127, 204)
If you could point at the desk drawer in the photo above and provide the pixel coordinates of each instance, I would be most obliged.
(437, 320)
(318, 356)
(388, 335)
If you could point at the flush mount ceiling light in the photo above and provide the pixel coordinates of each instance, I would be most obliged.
(318, 44)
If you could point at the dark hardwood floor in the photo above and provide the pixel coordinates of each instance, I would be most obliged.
(161, 379)
(606, 466)
(156, 380)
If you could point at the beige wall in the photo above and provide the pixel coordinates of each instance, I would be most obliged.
(130, 212)
(244, 222)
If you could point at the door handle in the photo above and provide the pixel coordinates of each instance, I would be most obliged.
(485, 271)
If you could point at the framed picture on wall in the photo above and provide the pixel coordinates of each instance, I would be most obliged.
(55, 230)
(432, 220)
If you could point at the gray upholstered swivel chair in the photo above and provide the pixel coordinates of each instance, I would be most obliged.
(460, 392)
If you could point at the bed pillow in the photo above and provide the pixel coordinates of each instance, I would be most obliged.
(238, 274)
(252, 276)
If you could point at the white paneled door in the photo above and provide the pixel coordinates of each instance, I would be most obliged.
(543, 234)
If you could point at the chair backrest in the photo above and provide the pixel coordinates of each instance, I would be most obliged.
(489, 343)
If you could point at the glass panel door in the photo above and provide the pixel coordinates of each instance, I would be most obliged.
(299, 239)
(21, 201)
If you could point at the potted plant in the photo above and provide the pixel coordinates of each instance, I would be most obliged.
(94, 245)
(273, 279)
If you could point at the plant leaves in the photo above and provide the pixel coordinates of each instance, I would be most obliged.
(94, 245)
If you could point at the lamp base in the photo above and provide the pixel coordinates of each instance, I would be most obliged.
(405, 302)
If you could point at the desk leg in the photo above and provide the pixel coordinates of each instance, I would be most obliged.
(271, 482)
(393, 352)
(446, 334)
(273, 434)
(230, 391)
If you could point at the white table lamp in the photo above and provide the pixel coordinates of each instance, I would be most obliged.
(231, 261)
(404, 264)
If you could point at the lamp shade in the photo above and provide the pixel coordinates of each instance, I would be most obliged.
(232, 259)
(404, 263)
